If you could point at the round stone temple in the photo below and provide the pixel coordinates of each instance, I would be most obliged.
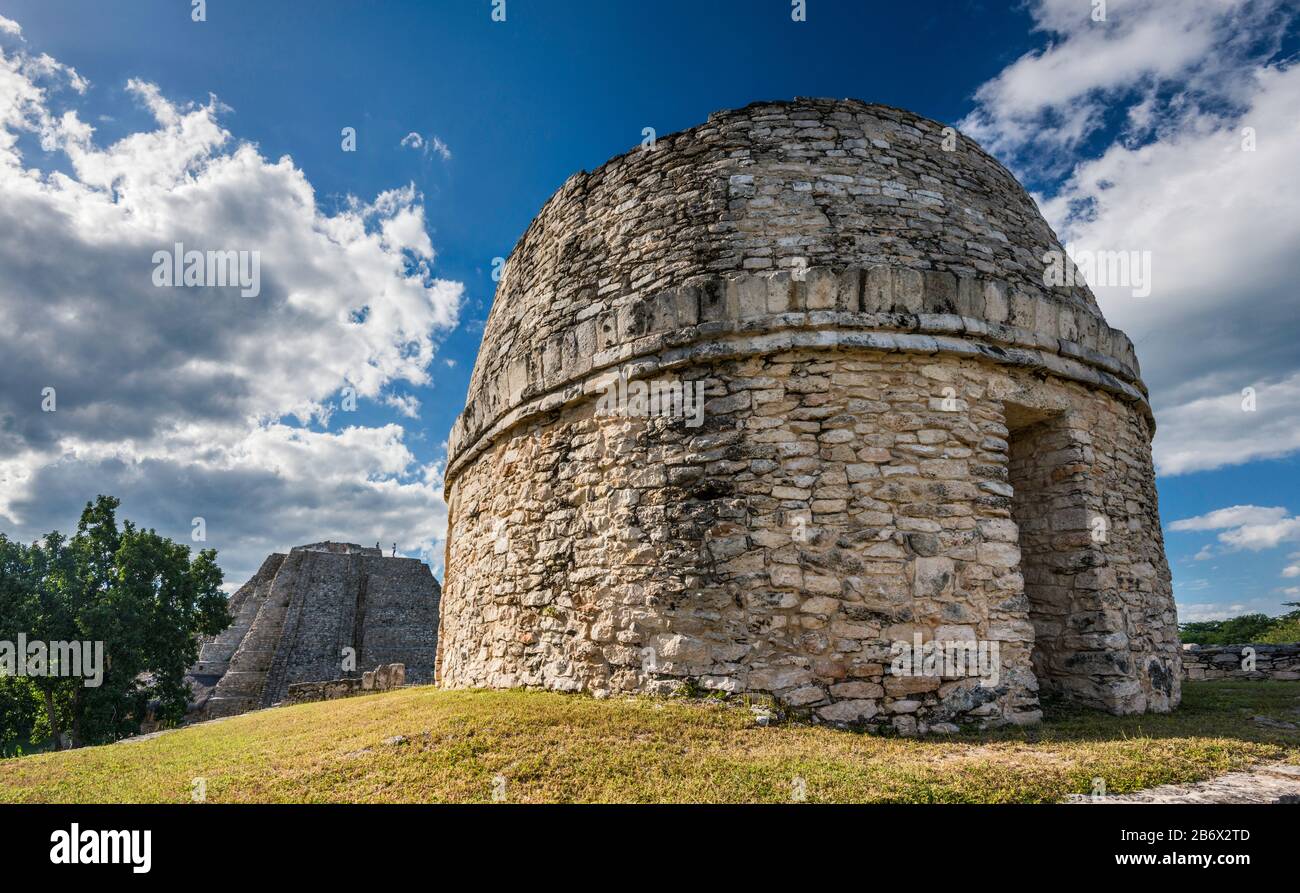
(782, 405)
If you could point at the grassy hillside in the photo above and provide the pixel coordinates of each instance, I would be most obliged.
(426, 745)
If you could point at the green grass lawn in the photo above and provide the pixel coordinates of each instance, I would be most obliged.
(551, 747)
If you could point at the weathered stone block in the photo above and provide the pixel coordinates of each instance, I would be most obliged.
(1022, 310)
(909, 291)
(821, 288)
(995, 302)
(940, 292)
(751, 295)
(970, 297)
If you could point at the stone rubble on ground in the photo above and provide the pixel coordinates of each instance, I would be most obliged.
(1273, 783)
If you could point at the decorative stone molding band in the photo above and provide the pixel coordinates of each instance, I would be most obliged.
(880, 308)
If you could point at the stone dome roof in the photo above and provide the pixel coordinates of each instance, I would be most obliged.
(811, 216)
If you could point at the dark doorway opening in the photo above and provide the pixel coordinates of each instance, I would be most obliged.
(1048, 480)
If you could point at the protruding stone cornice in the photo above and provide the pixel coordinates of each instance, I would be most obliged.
(879, 308)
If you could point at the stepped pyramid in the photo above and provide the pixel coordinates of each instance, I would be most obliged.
(295, 617)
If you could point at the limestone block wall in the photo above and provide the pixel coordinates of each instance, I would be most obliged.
(885, 372)
(323, 592)
(384, 608)
(296, 617)
(383, 678)
(1230, 661)
(780, 187)
(623, 554)
(1084, 500)
(394, 627)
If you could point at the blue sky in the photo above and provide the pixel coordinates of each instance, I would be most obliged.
(1073, 106)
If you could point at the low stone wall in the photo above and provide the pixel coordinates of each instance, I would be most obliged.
(384, 678)
(1241, 661)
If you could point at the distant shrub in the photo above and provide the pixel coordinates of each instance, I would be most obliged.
(1261, 628)
(1284, 633)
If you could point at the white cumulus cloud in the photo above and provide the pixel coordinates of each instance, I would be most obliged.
(197, 402)
(1250, 527)
(1201, 175)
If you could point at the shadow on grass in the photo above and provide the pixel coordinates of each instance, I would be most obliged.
(1218, 709)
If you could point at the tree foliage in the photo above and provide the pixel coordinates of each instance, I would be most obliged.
(140, 594)
(1244, 629)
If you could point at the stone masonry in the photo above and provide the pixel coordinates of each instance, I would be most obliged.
(294, 619)
(907, 438)
(382, 678)
(1241, 661)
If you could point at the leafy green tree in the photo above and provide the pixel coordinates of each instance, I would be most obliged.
(140, 594)
(20, 711)
(1286, 629)
(1245, 629)
(1235, 630)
